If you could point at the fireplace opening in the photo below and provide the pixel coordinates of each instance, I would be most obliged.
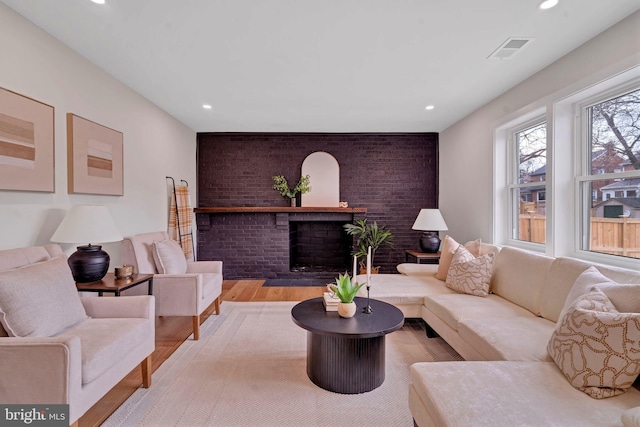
(318, 247)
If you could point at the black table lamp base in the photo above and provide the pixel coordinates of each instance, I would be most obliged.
(89, 263)
(430, 242)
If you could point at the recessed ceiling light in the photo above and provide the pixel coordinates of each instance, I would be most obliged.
(547, 4)
(98, 1)
(429, 107)
(206, 106)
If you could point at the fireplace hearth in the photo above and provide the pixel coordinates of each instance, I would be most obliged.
(318, 246)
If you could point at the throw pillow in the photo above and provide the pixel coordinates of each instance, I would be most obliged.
(39, 300)
(596, 347)
(169, 257)
(468, 274)
(449, 247)
(584, 282)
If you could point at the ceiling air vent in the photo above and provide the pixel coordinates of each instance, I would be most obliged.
(510, 47)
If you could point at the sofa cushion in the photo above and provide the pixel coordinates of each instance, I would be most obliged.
(104, 341)
(39, 300)
(596, 347)
(401, 290)
(631, 417)
(449, 247)
(506, 394)
(562, 275)
(468, 274)
(452, 308)
(519, 276)
(169, 257)
(515, 338)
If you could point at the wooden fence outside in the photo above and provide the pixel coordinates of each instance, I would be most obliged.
(615, 236)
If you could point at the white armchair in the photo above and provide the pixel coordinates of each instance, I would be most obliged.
(181, 288)
(58, 348)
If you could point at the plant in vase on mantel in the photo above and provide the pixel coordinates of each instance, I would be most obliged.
(346, 292)
(303, 186)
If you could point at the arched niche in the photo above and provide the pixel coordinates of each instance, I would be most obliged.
(324, 171)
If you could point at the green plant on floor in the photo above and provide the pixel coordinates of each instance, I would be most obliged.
(280, 183)
(344, 289)
(368, 235)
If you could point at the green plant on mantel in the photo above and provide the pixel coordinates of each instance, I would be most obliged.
(280, 183)
(368, 235)
(344, 289)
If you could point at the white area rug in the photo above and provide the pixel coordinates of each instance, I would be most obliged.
(249, 369)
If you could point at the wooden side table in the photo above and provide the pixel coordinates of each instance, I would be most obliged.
(430, 258)
(109, 283)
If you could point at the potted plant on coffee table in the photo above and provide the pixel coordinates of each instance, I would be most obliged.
(346, 292)
(368, 235)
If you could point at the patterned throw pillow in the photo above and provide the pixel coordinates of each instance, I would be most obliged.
(468, 274)
(596, 347)
(449, 247)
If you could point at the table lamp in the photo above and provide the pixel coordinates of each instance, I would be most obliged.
(88, 223)
(430, 221)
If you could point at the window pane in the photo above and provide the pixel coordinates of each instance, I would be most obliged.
(613, 223)
(532, 153)
(529, 203)
(529, 221)
(615, 134)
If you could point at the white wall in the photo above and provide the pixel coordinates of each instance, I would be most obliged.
(155, 144)
(467, 147)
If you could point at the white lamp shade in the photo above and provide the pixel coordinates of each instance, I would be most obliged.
(429, 220)
(87, 224)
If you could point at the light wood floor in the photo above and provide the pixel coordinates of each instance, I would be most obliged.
(172, 331)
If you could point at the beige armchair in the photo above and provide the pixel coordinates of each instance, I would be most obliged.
(181, 288)
(58, 348)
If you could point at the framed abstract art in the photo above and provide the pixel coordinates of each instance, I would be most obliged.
(26, 143)
(95, 158)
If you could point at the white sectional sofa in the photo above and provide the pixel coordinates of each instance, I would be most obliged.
(508, 377)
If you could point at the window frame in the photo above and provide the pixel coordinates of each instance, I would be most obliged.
(583, 175)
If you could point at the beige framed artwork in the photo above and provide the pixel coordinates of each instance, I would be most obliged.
(26, 143)
(95, 158)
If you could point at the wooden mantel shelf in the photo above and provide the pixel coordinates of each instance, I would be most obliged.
(277, 209)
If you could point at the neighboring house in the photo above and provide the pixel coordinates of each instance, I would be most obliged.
(534, 198)
(605, 161)
(615, 207)
(623, 188)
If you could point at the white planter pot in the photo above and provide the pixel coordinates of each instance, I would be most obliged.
(347, 309)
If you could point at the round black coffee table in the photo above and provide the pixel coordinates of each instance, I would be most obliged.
(346, 355)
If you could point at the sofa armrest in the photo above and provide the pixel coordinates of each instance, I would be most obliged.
(204, 267)
(40, 370)
(411, 269)
(130, 306)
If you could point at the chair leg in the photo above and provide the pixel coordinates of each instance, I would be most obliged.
(217, 303)
(196, 327)
(146, 372)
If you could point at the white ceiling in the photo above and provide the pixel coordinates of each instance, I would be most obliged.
(320, 65)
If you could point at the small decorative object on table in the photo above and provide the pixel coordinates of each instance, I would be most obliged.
(330, 300)
(303, 186)
(346, 292)
(123, 272)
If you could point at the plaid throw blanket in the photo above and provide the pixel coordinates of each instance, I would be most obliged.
(184, 213)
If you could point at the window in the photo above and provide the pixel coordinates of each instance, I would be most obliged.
(611, 145)
(527, 187)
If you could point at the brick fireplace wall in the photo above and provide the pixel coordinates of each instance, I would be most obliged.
(393, 176)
